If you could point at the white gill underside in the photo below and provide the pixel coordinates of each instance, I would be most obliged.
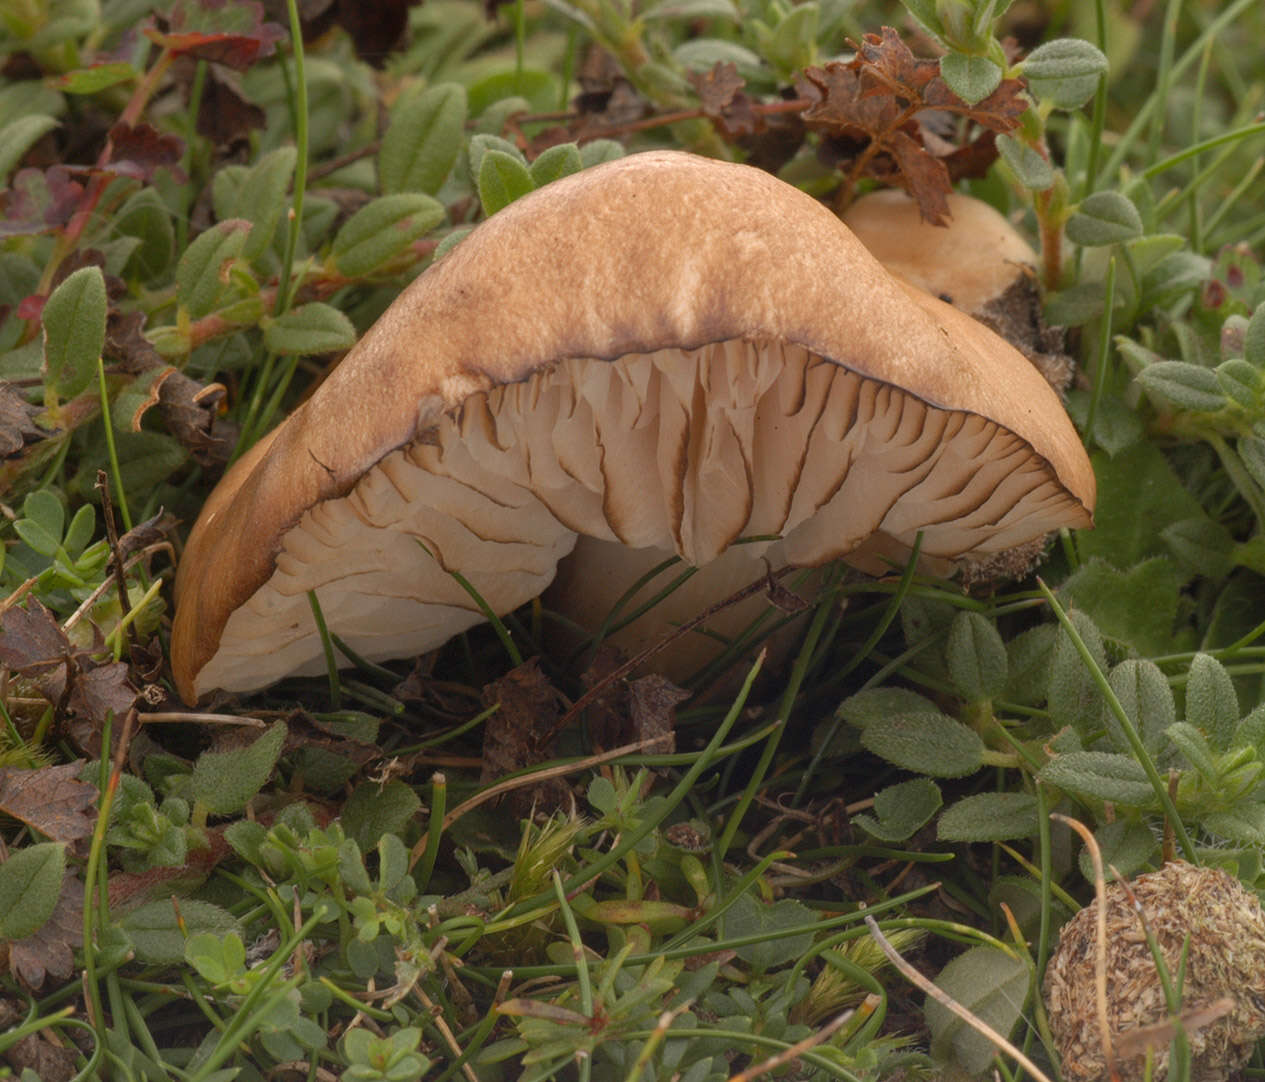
(688, 452)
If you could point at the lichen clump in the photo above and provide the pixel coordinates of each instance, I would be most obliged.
(1226, 958)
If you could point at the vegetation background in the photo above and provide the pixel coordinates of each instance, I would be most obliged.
(206, 202)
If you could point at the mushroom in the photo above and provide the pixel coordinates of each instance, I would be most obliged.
(663, 352)
(979, 263)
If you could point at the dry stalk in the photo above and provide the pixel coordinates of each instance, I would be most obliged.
(978, 1024)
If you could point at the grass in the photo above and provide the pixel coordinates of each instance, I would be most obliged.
(324, 884)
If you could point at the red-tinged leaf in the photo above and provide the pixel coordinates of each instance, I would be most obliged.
(93, 79)
(140, 150)
(50, 951)
(231, 32)
(839, 107)
(40, 201)
(51, 800)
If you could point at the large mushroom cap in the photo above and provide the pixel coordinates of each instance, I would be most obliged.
(666, 351)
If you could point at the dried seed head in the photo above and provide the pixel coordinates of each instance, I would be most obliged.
(1225, 959)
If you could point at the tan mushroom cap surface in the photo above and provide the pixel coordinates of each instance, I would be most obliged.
(971, 261)
(665, 351)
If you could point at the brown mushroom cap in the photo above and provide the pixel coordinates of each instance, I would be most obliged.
(970, 262)
(768, 378)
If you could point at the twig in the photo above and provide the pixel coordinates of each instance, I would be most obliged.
(950, 1004)
(788, 1055)
(509, 784)
(1100, 934)
(120, 575)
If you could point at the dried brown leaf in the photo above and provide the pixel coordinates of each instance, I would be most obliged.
(51, 800)
(17, 421)
(721, 97)
(50, 951)
(652, 702)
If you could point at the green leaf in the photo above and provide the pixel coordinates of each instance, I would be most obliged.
(74, 331)
(94, 79)
(30, 884)
(1254, 338)
(1147, 699)
(217, 958)
(146, 217)
(423, 139)
(989, 817)
(1126, 845)
(749, 917)
(201, 278)
(976, 657)
(694, 9)
(1028, 661)
(261, 199)
(1064, 72)
(312, 328)
(1104, 218)
(481, 144)
(1075, 698)
(18, 136)
(1211, 704)
(1240, 381)
(374, 810)
(1138, 495)
(555, 163)
(502, 179)
(1252, 452)
(382, 230)
(599, 151)
(158, 930)
(1137, 607)
(1100, 774)
(1243, 824)
(880, 704)
(993, 986)
(902, 810)
(538, 88)
(1195, 747)
(223, 781)
(971, 78)
(1032, 169)
(928, 743)
(1188, 386)
(1200, 546)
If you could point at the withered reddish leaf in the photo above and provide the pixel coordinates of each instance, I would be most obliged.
(49, 952)
(652, 704)
(39, 201)
(224, 116)
(48, 1061)
(140, 150)
(31, 639)
(999, 112)
(51, 800)
(923, 176)
(231, 32)
(17, 421)
(887, 58)
(723, 102)
(144, 534)
(606, 715)
(101, 689)
(839, 107)
(190, 409)
(376, 27)
(515, 736)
